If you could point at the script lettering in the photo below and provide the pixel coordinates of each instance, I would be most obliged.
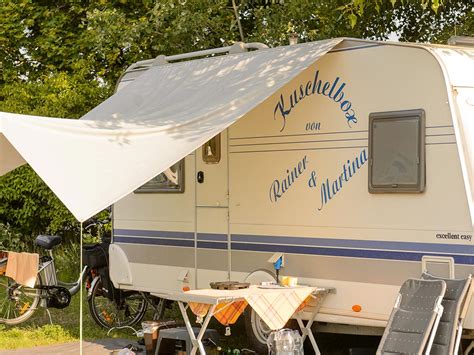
(334, 90)
(280, 186)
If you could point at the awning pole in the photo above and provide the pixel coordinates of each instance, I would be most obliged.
(195, 222)
(80, 294)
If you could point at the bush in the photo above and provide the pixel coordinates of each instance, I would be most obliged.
(29, 207)
(12, 240)
(67, 259)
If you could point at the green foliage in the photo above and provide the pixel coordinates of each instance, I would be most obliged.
(67, 260)
(310, 20)
(29, 207)
(11, 239)
(56, 94)
(410, 22)
(357, 8)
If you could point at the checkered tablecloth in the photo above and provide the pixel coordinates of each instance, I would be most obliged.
(275, 306)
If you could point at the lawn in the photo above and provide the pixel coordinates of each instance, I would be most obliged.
(65, 328)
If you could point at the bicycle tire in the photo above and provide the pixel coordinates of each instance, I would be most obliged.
(12, 293)
(107, 313)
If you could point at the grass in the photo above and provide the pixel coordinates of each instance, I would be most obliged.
(65, 328)
(16, 338)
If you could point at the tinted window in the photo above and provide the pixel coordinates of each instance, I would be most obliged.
(396, 151)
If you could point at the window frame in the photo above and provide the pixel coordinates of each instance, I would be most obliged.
(401, 115)
(181, 178)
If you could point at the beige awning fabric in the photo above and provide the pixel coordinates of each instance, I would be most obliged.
(152, 123)
(465, 137)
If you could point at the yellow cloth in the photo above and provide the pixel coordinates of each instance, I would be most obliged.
(23, 267)
(229, 313)
(199, 309)
(225, 313)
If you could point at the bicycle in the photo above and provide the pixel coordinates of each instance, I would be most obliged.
(110, 307)
(19, 302)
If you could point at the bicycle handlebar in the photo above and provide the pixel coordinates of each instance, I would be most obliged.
(96, 223)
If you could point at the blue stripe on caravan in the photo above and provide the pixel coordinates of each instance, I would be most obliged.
(170, 235)
(155, 241)
(212, 237)
(360, 244)
(153, 234)
(171, 242)
(356, 253)
(212, 245)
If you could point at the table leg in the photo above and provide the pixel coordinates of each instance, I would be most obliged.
(187, 322)
(306, 329)
(204, 326)
(197, 342)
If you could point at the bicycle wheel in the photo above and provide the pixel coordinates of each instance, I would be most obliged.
(129, 310)
(17, 302)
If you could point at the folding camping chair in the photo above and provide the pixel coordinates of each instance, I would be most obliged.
(414, 319)
(448, 335)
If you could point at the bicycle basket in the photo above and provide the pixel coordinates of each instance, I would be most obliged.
(95, 255)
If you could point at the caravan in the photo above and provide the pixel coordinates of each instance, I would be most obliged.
(353, 171)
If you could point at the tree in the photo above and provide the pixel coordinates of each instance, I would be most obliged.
(62, 58)
(411, 22)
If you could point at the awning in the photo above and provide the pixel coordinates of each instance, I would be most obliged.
(465, 138)
(151, 124)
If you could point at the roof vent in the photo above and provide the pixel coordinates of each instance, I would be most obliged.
(464, 41)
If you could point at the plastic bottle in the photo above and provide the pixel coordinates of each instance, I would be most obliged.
(285, 342)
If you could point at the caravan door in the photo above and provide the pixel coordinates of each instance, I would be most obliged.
(212, 210)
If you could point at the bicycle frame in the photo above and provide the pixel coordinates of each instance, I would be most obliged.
(47, 270)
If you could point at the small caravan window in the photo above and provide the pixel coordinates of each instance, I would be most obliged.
(397, 151)
(171, 180)
(211, 150)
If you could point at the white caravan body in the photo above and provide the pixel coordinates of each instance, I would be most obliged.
(293, 179)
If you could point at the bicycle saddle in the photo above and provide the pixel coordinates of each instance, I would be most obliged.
(48, 241)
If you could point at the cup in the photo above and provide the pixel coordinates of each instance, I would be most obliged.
(289, 281)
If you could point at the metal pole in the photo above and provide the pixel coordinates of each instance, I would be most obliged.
(229, 236)
(80, 295)
(195, 220)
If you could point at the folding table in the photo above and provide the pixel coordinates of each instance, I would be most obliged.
(274, 305)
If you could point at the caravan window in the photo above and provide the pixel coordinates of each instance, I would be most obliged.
(171, 180)
(397, 151)
(211, 150)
